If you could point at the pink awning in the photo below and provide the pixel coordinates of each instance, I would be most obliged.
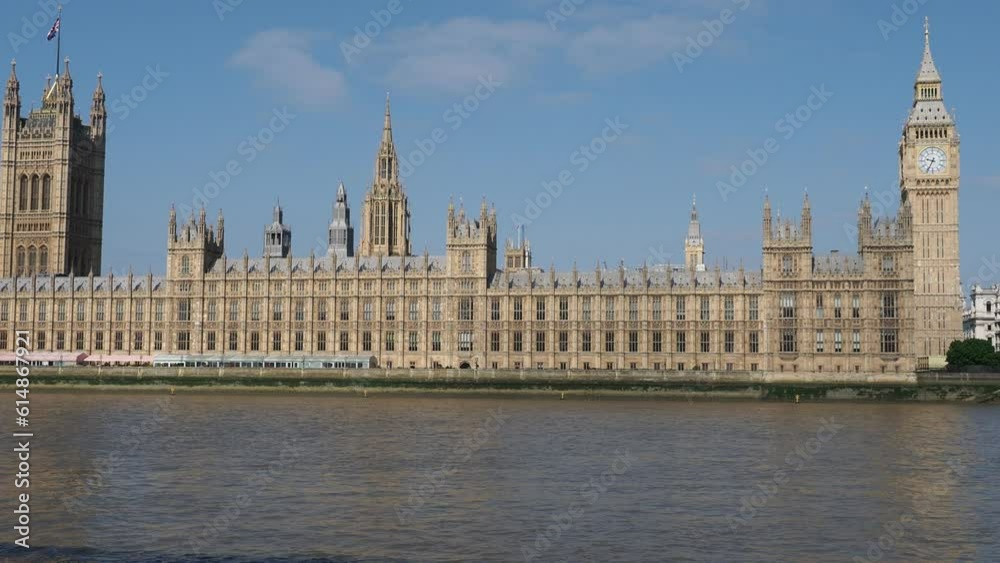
(72, 357)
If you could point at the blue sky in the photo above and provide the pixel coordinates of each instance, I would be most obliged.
(188, 82)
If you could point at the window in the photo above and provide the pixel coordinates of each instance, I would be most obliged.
(411, 344)
(819, 341)
(518, 309)
(300, 310)
(414, 314)
(787, 306)
(706, 342)
(157, 340)
(80, 343)
(680, 304)
(136, 340)
(99, 341)
(730, 309)
(390, 341)
(819, 306)
(788, 340)
(495, 309)
(300, 341)
(563, 341)
(211, 313)
(42, 310)
(466, 261)
(564, 308)
(855, 307)
(234, 311)
(754, 309)
(856, 341)
(321, 310)
(657, 341)
(276, 341)
(277, 311)
(345, 310)
(585, 313)
(585, 342)
(185, 265)
(609, 308)
(888, 263)
(633, 308)
(390, 309)
(729, 341)
(255, 310)
(366, 341)
(836, 306)
(633, 341)
(540, 309)
(61, 340)
(98, 315)
(183, 310)
(234, 341)
(539, 341)
(119, 311)
(786, 264)
(465, 309)
(657, 308)
(518, 341)
(705, 312)
(609, 341)
(889, 341)
(366, 314)
(345, 341)
(436, 341)
(183, 340)
(681, 339)
(436, 309)
(889, 305)
(838, 341)
(754, 342)
(61, 310)
(494, 341)
(210, 340)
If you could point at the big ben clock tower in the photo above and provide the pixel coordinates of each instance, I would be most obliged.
(929, 177)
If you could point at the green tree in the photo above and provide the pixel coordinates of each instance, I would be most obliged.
(972, 352)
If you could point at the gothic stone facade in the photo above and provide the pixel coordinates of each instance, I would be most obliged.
(879, 310)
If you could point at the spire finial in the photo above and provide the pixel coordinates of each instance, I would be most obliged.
(927, 31)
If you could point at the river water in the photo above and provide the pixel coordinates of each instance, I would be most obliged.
(311, 477)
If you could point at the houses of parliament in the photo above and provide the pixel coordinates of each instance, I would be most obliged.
(892, 306)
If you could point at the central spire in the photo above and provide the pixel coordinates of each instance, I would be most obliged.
(928, 71)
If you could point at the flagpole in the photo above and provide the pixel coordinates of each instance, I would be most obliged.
(58, 39)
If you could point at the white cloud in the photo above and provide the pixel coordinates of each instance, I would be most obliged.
(631, 44)
(282, 60)
(452, 55)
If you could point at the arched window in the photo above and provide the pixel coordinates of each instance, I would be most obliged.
(34, 193)
(786, 264)
(46, 192)
(466, 261)
(185, 265)
(23, 196)
(32, 258)
(43, 260)
(20, 260)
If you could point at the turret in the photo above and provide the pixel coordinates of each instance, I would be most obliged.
(767, 218)
(98, 113)
(277, 236)
(11, 106)
(341, 233)
(694, 244)
(806, 217)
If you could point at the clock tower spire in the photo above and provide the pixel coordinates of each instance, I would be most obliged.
(929, 178)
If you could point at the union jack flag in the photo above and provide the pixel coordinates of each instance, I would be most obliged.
(55, 29)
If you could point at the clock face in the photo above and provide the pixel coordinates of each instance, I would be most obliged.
(932, 160)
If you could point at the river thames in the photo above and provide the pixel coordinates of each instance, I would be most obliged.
(313, 477)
